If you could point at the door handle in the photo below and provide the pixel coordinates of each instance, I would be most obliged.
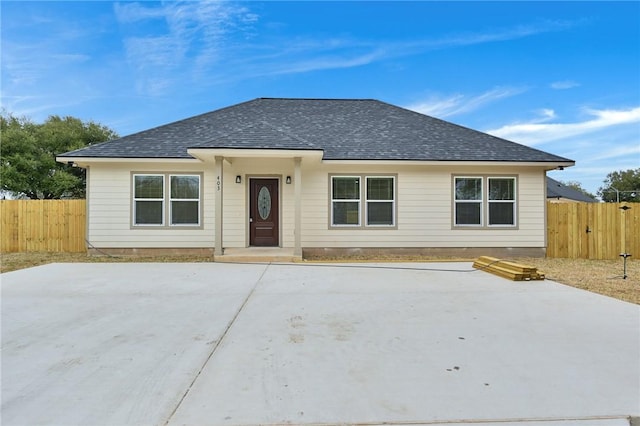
(250, 219)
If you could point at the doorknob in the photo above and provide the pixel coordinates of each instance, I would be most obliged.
(250, 219)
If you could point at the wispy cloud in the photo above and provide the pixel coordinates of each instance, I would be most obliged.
(564, 84)
(628, 151)
(534, 132)
(213, 41)
(500, 34)
(191, 40)
(455, 104)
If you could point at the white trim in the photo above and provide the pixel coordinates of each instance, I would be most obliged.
(514, 201)
(171, 200)
(367, 201)
(444, 163)
(83, 161)
(479, 201)
(136, 199)
(358, 200)
(207, 154)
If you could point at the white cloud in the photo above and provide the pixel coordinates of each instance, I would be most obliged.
(200, 37)
(564, 84)
(459, 104)
(618, 152)
(192, 40)
(515, 32)
(546, 114)
(534, 132)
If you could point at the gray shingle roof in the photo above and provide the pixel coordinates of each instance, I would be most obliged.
(557, 189)
(344, 129)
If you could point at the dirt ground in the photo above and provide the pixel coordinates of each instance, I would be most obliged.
(599, 276)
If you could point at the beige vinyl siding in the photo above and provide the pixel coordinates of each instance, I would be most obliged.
(424, 202)
(110, 206)
(423, 199)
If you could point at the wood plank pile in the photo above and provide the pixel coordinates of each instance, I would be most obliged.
(510, 270)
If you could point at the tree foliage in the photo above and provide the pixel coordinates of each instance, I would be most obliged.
(578, 187)
(623, 185)
(28, 153)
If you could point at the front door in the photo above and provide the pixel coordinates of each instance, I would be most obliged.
(263, 212)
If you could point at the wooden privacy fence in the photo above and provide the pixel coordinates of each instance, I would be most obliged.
(43, 225)
(574, 230)
(593, 230)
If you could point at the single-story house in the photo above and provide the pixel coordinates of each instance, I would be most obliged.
(316, 176)
(558, 192)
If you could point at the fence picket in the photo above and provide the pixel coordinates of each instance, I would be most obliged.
(60, 226)
(42, 225)
(611, 230)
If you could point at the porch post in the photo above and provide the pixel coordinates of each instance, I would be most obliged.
(297, 189)
(218, 209)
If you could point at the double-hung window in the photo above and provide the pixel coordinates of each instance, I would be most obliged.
(160, 196)
(468, 201)
(502, 201)
(148, 200)
(185, 200)
(370, 205)
(345, 201)
(480, 197)
(380, 201)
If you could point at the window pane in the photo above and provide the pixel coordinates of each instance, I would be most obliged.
(149, 187)
(501, 214)
(467, 213)
(185, 187)
(345, 213)
(379, 213)
(184, 213)
(501, 189)
(468, 189)
(346, 188)
(148, 213)
(380, 188)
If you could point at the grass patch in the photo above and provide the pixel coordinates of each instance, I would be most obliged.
(598, 276)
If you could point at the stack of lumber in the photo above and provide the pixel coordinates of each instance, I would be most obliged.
(510, 270)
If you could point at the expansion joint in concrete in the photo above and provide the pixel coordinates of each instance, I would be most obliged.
(217, 345)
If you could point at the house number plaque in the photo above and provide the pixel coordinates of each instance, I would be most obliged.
(264, 203)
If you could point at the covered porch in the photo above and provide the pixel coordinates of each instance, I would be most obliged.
(258, 202)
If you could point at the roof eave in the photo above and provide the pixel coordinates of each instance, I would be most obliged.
(547, 165)
(86, 161)
(209, 154)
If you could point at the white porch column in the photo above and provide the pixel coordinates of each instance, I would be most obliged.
(218, 208)
(297, 190)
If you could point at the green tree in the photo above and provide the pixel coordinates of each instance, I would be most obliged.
(623, 185)
(578, 187)
(28, 155)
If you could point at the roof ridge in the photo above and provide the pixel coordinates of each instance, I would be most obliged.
(254, 124)
(292, 135)
(317, 99)
(468, 128)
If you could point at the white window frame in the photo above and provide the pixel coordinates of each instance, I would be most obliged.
(136, 200)
(485, 202)
(456, 202)
(514, 202)
(166, 201)
(367, 201)
(171, 199)
(341, 200)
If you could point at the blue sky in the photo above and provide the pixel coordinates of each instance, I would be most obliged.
(561, 77)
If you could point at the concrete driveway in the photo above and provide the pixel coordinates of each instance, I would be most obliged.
(231, 344)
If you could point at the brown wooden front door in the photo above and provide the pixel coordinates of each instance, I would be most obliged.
(263, 212)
